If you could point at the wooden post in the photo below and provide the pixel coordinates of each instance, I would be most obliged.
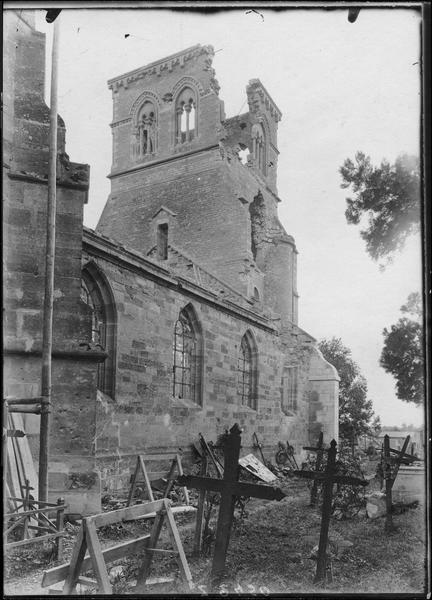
(5, 474)
(319, 457)
(226, 509)
(59, 527)
(200, 512)
(27, 487)
(390, 476)
(49, 279)
(388, 486)
(326, 513)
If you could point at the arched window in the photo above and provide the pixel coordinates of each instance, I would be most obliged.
(186, 116)
(145, 131)
(96, 293)
(247, 372)
(187, 357)
(259, 147)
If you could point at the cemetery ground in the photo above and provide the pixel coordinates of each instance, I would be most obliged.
(271, 551)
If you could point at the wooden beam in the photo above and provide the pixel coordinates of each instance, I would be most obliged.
(56, 574)
(130, 513)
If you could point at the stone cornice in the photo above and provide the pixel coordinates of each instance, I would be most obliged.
(72, 354)
(101, 246)
(158, 67)
(35, 178)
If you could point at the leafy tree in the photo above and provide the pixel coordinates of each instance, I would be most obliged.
(402, 355)
(355, 410)
(389, 196)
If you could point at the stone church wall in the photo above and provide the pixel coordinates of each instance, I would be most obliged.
(144, 415)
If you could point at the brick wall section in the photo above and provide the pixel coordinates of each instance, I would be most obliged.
(203, 182)
(24, 239)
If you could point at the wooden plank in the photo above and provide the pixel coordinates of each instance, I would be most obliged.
(254, 466)
(41, 538)
(86, 581)
(144, 569)
(180, 472)
(176, 542)
(98, 562)
(34, 511)
(235, 488)
(127, 514)
(56, 574)
(200, 512)
(170, 480)
(158, 456)
(13, 480)
(146, 478)
(27, 457)
(133, 482)
(75, 567)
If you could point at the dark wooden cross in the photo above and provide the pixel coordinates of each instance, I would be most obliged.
(328, 477)
(320, 451)
(229, 487)
(390, 469)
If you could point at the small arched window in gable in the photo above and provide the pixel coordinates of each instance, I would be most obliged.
(187, 361)
(97, 295)
(247, 372)
(145, 131)
(186, 116)
(259, 147)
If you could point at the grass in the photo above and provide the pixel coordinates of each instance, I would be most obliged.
(270, 551)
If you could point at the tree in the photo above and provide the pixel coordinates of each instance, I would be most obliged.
(402, 355)
(389, 196)
(355, 409)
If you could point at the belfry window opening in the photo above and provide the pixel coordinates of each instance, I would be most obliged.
(258, 148)
(145, 133)
(185, 117)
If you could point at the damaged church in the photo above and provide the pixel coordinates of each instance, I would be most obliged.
(178, 313)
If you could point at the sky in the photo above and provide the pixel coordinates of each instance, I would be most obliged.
(341, 87)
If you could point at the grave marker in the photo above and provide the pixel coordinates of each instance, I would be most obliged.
(329, 477)
(229, 487)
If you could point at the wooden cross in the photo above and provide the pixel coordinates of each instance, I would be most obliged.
(391, 468)
(329, 477)
(258, 445)
(320, 451)
(229, 487)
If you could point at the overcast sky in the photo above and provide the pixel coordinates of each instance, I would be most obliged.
(341, 87)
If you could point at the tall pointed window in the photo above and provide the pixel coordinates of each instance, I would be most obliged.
(145, 131)
(259, 148)
(186, 116)
(247, 372)
(187, 357)
(95, 292)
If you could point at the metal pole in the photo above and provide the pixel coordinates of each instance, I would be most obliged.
(49, 278)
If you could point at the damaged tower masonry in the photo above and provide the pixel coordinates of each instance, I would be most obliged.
(188, 179)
